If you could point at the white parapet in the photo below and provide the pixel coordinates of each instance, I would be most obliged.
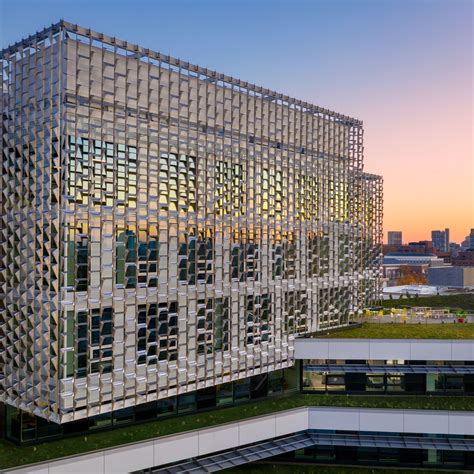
(174, 448)
(385, 349)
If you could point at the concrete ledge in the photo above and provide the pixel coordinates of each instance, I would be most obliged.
(385, 349)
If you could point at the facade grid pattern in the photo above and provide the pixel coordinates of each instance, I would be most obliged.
(166, 228)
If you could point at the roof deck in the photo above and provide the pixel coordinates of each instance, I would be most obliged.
(402, 331)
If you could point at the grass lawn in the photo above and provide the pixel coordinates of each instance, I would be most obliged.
(12, 455)
(403, 331)
(465, 302)
(322, 469)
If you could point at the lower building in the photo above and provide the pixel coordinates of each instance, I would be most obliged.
(464, 258)
(408, 268)
(310, 413)
(451, 276)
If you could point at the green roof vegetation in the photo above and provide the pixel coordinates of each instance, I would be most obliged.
(464, 301)
(403, 331)
(324, 469)
(12, 455)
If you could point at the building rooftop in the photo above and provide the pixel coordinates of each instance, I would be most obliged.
(403, 331)
(143, 53)
(410, 255)
(12, 455)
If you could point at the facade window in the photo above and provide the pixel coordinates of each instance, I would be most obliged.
(196, 258)
(157, 332)
(177, 185)
(101, 172)
(230, 188)
(94, 338)
(296, 311)
(245, 263)
(222, 323)
(307, 196)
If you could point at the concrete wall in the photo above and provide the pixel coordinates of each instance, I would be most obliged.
(446, 276)
(399, 421)
(385, 349)
(178, 447)
(451, 276)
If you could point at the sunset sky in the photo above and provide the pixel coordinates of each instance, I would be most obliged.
(404, 67)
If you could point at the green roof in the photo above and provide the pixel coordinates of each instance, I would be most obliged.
(12, 455)
(402, 331)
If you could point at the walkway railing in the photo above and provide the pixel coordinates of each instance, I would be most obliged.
(414, 315)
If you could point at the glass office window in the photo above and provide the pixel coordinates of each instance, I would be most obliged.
(335, 382)
(314, 381)
(375, 383)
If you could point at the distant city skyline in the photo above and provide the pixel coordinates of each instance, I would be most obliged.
(404, 68)
(427, 237)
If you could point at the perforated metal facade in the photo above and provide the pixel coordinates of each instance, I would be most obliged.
(166, 228)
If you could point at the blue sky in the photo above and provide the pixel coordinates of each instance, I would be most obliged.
(402, 66)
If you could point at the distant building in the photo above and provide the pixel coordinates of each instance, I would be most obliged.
(421, 247)
(451, 276)
(468, 242)
(394, 237)
(464, 259)
(396, 264)
(454, 248)
(446, 256)
(440, 239)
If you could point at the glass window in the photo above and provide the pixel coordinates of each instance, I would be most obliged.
(187, 402)
(395, 382)
(291, 378)
(224, 394)
(259, 386)
(375, 383)
(335, 382)
(367, 455)
(355, 382)
(389, 455)
(454, 383)
(100, 421)
(28, 426)
(434, 382)
(126, 415)
(275, 382)
(166, 406)
(47, 429)
(206, 398)
(314, 381)
(241, 390)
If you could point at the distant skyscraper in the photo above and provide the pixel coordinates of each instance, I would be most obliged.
(394, 237)
(440, 239)
(471, 239)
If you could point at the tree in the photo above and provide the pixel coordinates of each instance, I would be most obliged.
(411, 277)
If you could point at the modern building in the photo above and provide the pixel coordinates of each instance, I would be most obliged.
(423, 246)
(422, 430)
(464, 258)
(394, 237)
(468, 242)
(440, 239)
(470, 239)
(396, 264)
(166, 230)
(451, 276)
